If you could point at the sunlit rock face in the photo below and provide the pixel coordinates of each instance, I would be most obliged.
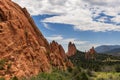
(24, 51)
(71, 49)
(22, 46)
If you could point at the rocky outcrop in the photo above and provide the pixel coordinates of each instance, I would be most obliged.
(23, 49)
(71, 49)
(91, 54)
(58, 57)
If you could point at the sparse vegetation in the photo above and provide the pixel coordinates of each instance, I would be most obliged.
(2, 63)
(14, 78)
(2, 78)
(75, 74)
(105, 67)
(107, 76)
(100, 64)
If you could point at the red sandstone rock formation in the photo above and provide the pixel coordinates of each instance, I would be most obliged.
(71, 49)
(58, 57)
(22, 46)
(24, 51)
(90, 54)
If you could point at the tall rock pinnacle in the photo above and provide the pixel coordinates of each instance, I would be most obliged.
(91, 54)
(71, 49)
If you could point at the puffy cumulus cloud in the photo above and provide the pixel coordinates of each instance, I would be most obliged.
(116, 19)
(110, 7)
(79, 13)
(84, 24)
(103, 2)
(97, 27)
(39, 7)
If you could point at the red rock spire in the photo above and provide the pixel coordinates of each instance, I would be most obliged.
(71, 49)
(90, 54)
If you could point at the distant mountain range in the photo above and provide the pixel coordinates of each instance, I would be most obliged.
(109, 49)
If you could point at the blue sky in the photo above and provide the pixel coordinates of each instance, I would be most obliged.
(87, 23)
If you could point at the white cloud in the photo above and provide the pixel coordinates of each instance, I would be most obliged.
(78, 13)
(86, 47)
(62, 40)
(55, 37)
(103, 2)
(83, 24)
(47, 26)
(37, 7)
(116, 19)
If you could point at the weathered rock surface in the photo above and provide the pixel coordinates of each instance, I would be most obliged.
(71, 49)
(22, 46)
(24, 51)
(58, 57)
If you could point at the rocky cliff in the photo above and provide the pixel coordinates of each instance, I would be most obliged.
(22, 46)
(24, 51)
(58, 57)
(71, 49)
